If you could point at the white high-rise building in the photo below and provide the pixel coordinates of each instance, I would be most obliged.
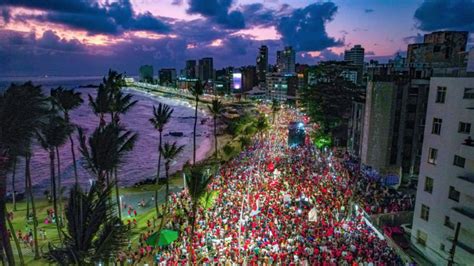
(355, 55)
(445, 196)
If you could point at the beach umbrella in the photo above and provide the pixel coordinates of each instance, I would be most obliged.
(165, 238)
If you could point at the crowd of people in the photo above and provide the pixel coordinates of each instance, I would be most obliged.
(296, 212)
(372, 192)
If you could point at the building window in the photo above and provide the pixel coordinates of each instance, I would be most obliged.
(448, 223)
(454, 194)
(428, 184)
(441, 95)
(421, 237)
(436, 128)
(432, 155)
(468, 93)
(425, 212)
(464, 128)
(459, 161)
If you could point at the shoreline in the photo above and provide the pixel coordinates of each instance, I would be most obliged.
(201, 156)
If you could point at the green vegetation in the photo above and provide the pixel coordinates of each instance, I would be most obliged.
(90, 228)
(329, 102)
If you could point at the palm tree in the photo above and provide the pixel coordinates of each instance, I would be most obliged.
(101, 104)
(196, 91)
(68, 100)
(21, 107)
(110, 99)
(216, 109)
(104, 151)
(275, 109)
(29, 189)
(161, 117)
(197, 180)
(53, 134)
(121, 103)
(261, 125)
(170, 152)
(94, 233)
(15, 160)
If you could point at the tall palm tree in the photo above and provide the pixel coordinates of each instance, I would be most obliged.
(216, 108)
(53, 134)
(68, 100)
(94, 232)
(119, 103)
(170, 152)
(29, 189)
(101, 104)
(15, 160)
(105, 150)
(275, 109)
(198, 179)
(161, 117)
(21, 108)
(196, 91)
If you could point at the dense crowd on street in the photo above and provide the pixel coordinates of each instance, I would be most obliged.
(276, 205)
(373, 194)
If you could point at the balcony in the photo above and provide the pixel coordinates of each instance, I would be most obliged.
(465, 184)
(464, 246)
(467, 149)
(464, 216)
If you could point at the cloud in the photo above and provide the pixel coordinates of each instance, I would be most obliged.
(305, 29)
(177, 2)
(218, 12)
(6, 15)
(369, 53)
(53, 42)
(368, 10)
(26, 54)
(418, 38)
(435, 15)
(258, 14)
(107, 18)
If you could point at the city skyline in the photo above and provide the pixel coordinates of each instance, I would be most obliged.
(44, 38)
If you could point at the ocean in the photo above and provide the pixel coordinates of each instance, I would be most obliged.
(139, 164)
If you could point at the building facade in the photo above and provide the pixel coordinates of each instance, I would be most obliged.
(445, 193)
(286, 61)
(249, 78)
(355, 55)
(146, 73)
(191, 69)
(206, 69)
(262, 64)
(167, 76)
(281, 88)
(394, 122)
(439, 48)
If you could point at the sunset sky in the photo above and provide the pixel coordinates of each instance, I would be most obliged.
(86, 37)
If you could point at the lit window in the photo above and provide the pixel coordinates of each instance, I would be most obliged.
(428, 184)
(432, 155)
(425, 212)
(421, 237)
